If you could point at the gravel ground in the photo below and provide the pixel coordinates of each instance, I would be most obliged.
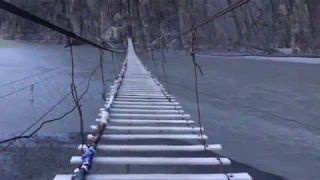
(256, 142)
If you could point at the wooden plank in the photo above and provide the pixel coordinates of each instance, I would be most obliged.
(135, 91)
(132, 121)
(151, 115)
(148, 148)
(131, 78)
(145, 94)
(139, 84)
(141, 81)
(154, 87)
(147, 110)
(146, 107)
(147, 80)
(149, 136)
(152, 90)
(146, 103)
(141, 100)
(233, 176)
(139, 88)
(141, 94)
(155, 160)
(145, 97)
(151, 128)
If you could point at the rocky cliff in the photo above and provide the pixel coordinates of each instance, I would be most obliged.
(261, 24)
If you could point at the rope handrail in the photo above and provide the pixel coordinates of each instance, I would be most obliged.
(211, 18)
(90, 150)
(215, 16)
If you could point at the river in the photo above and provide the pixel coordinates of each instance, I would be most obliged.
(248, 106)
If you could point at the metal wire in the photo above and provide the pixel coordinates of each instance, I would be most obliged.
(206, 21)
(13, 139)
(74, 93)
(248, 107)
(29, 86)
(26, 15)
(118, 64)
(147, 54)
(24, 78)
(219, 14)
(197, 67)
(154, 62)
(102, 75)
(114, 66)
(164, 69)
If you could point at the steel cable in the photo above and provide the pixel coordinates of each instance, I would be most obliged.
(24, 78)
(29, 86)
(154, 62)
(195, 68)
(74, 93)
(114, 66)
(102, 75)
(12, 140)
(164, 69)
(26, 15)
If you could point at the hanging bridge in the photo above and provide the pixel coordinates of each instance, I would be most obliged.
(143, 128)
(141, 125)
(138, 116)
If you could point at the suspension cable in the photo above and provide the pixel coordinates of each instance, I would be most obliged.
(27, 77)
(206, 21)
(219, 14)
(74, 93)
(154, 63)
(87, 156)
(29, 86)
(102, 74)
(147, 54)
(248, 107)
(245, 105)
(13, 139)
(197, 67)
(164, 69)
(26, 15)
(118, 67)
(114, 66)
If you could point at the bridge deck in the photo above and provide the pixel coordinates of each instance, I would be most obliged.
(144, 113)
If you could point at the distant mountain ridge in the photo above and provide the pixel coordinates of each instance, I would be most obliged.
(262, 24)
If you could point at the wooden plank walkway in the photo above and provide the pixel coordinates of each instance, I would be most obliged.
(143, 108)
